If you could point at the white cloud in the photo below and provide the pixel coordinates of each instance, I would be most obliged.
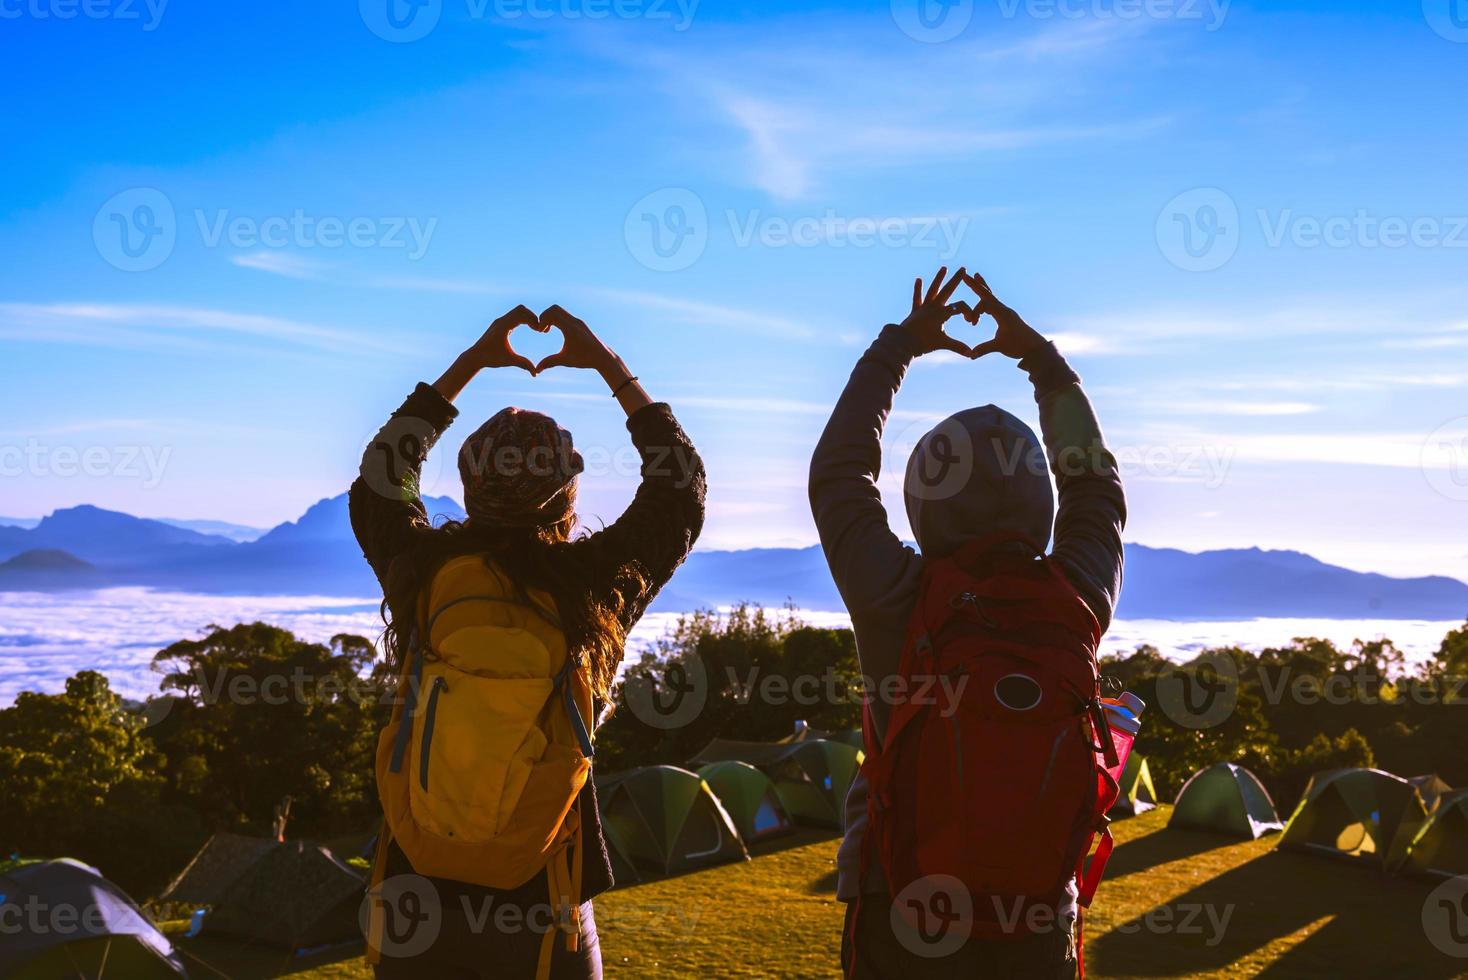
(286, 264)
(697, 313)
(1249, 408)
(294, 266)
(806, 111)
(151, 325)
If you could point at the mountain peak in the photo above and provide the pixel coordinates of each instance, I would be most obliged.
(47, 560)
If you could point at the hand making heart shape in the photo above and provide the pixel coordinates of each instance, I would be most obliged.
(931, 311)
(580, 348)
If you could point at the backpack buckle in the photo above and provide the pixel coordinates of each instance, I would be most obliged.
(969, 599)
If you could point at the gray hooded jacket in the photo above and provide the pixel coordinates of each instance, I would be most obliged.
(978, 472)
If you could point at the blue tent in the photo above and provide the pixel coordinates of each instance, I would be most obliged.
(75, 923)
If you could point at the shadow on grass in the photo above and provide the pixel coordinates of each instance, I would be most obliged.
(214, 958)
(801, 837)
(1159, 847)
(825, 884)
(1369, 924)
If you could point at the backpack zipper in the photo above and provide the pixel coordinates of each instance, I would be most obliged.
(1049, 766)
(439, 684)
(956, 722)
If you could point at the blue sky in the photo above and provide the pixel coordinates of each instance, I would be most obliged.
(1246, 223)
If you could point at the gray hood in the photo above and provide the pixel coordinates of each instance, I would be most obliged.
(977, 473)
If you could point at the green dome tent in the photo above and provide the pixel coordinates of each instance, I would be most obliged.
(804, 733)
(1431, 788)
(1225, 798)
(665, 819)
(811, 777)
(750, 799)
(1137, 795)
(1357, 813)
(107, 937)
(1441, 847)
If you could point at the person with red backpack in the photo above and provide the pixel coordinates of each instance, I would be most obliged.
(989, 761)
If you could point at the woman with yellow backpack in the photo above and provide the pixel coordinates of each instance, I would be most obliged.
(506, 631)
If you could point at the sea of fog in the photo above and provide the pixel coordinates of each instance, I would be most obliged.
(45, 638)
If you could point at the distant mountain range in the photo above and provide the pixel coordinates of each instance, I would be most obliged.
(87, 547)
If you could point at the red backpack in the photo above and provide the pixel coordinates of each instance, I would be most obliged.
(997, 768)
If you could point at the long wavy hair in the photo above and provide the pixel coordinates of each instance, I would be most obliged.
(540, 558)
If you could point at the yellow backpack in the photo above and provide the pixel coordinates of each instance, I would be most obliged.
(488, 747)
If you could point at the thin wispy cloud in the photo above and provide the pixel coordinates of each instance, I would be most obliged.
(1245, 408)
(131, 325)
(802, 113)
(701, 314)
(293, 266)
(286, 264)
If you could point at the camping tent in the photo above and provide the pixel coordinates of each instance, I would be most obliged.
(102, 933)
(811, 777)
(1441, 847)
(1137, 795)
(804, 733)
(665, 819)
(1360, 813)
(292, 894)
(750, 799)
(221, 862)
(1431, 788)
(1225, 798)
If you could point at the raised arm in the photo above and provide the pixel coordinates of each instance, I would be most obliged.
(385, 501)
(870, 565)
(658, 529)
(1092, 511)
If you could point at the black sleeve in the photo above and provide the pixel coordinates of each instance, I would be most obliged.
(658, 529)
(388, 516)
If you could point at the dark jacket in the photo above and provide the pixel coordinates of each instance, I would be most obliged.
(655, 534)
(879, 576)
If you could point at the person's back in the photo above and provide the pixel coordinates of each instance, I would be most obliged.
(506, 630)
(979, 472)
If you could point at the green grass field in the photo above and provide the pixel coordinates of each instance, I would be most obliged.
(1287, 915)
